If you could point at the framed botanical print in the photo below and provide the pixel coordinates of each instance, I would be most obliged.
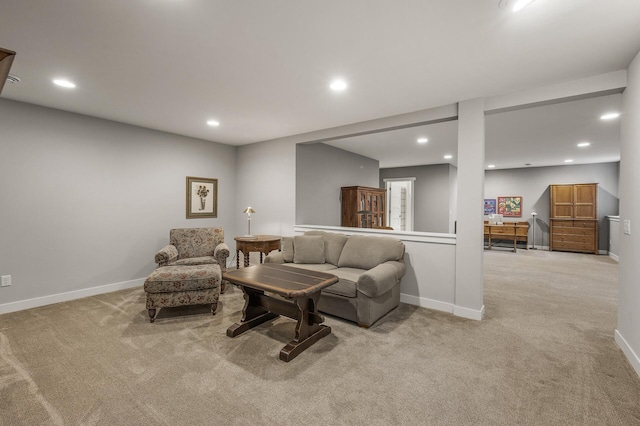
(202, 197)
(510, 206)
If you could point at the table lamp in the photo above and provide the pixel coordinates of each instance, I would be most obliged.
(248, 211)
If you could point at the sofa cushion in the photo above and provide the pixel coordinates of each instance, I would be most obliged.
(308, 249)
(321, 267)
(366, 252)
(287, 249)
(347, 285)
(195, 242)
(333, 245)
(183, 278)
(205, 260)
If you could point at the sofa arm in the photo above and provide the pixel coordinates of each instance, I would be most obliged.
(220, 254)
(275, 257)
(382, 278)
(166, 255)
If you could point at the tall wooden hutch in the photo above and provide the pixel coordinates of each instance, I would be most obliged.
(363, 207)
(573, 217)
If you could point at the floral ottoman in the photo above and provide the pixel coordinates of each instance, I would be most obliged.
(182, 285)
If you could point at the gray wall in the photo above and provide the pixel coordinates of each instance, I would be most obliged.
(628, 330)
(432, 194)
(266, 182)
(86, 202)
(533, 185)
(321, 170)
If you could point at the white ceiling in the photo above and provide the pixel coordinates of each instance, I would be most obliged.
(532, 137)
(262, 67)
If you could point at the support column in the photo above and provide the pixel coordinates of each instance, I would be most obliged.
(470, 196)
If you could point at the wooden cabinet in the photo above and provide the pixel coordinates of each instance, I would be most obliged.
(574, 217)
(363, 207)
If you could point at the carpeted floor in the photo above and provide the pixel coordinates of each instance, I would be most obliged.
(544, 355)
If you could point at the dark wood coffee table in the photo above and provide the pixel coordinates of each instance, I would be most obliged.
(302, 289)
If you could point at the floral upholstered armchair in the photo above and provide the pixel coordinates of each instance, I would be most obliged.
(194, 246)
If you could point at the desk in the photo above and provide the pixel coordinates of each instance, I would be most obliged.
(511, 231)
(262, 243)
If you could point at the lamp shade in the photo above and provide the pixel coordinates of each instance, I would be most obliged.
(249, 210)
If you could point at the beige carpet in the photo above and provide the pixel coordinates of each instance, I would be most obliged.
(544, 355)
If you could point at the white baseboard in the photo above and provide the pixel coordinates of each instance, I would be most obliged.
(70, 295)
(473, 314)
(442, 306)
(614, 257)
(423, 302)
(633, 358)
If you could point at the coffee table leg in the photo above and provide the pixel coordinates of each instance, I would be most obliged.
(308, 329)
(246, 259)
(252, 314)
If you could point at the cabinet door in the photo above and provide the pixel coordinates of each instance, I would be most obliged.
(562, 201)
(585, 201)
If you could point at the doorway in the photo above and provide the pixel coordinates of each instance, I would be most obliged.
(400, 203)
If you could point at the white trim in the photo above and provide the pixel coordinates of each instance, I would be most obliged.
(614, 257)
(437, 305)
(424, 302)
(603, 252)
(398, 179)
(473, 314)
(423, 237)
(633, 358)
(70, 295)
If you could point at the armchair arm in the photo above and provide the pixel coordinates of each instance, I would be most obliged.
(275, 257)
(166, 255)
(381, 279)
(221, 253)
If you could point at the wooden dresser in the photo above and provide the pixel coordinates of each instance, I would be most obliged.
(363, 207)
(573, 218)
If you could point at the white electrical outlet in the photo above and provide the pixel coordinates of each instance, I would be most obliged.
(6, 281)
(627, 227)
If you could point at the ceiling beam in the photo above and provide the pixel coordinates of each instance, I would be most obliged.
(598, 85)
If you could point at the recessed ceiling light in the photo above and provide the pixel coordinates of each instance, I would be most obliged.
(338, 85)
(568, 160)
(491, 166)
(610, 116)
(448, 157)
(423, 140)
(583, 144)
(64, 83)
(521, 4)
(213, 123)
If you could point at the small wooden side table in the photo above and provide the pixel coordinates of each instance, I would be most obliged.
(261, 243)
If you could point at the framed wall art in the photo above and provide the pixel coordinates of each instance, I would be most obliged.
(489, 206)
(202, 197)
(510, 206)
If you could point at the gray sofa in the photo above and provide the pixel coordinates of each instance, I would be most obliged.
(369, 269)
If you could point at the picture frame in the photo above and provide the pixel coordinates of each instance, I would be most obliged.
(510, 206)
(202, 197)
(489, 206)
